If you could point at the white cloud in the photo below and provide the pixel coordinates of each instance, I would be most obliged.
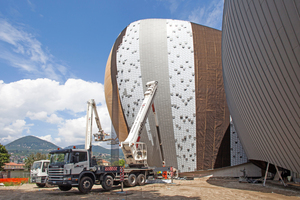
(43, 116)
(32, 6)
(173, 5)
(54, 119)
(73, 130)
(210, 15)
(53, 100)
(207, 13)
(22, 50)
(48, 101)
(13, 130)
(37, 116)
(47, 138)
(57, 140)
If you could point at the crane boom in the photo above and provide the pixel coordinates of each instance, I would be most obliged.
(135, 152)
(89, 124)
(100, 136)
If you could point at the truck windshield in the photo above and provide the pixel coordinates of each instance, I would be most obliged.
(59, 158)
(36, 165)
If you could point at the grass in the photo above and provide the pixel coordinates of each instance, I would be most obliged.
(10, 184)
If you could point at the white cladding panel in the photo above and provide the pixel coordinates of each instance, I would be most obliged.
(237, 153)
(182, 88)
(129, 76)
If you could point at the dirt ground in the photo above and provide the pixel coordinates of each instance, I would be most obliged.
(199, 188)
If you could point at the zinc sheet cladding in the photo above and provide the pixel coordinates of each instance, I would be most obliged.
(164, 50)
(211, 107)
(112, 93)
(261, 56)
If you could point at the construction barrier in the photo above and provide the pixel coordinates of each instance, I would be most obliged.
(14, 180)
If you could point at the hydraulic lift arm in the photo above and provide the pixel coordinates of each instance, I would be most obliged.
(135, 152)
(100, 136)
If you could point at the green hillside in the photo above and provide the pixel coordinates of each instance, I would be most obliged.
(30, 144)
(97, 150)
(23, 147)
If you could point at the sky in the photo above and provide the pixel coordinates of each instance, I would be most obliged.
(53, 56)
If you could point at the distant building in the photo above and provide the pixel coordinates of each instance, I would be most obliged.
(105, 163)
(13, 166)
(14, 170)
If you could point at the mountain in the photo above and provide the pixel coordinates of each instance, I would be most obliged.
(30, 144)
(97, 150)
(27, 145)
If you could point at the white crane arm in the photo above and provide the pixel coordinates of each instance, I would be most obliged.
(100, 136)
(141, 117)
(89, 124)
(135, 152)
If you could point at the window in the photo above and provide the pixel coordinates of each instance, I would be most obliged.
(82, 156)
(45, 166)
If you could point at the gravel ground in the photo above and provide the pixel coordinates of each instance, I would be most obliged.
(200, 188)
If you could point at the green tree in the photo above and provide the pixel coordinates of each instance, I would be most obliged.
(31, 158)
(115, 163)
(122, 162)
(119, 163)
(4, 157)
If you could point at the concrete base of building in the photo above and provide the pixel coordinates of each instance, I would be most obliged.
(249, 169)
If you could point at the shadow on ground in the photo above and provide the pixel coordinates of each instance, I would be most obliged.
(271, 186)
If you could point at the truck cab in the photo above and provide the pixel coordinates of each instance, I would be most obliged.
(66, 166)
(39, 172)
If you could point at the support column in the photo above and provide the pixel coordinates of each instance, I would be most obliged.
(266, 173)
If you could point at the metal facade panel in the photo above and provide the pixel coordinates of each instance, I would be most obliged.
(260, 70)
(132, 86)
(182, 91)
(238, 155)
(154, 66)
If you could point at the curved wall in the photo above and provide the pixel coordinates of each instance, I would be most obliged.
(260, 58)
(185, 59)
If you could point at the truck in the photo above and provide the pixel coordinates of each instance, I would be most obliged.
(78, 167)
(39, 172)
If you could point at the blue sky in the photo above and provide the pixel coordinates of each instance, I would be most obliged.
(53, 56)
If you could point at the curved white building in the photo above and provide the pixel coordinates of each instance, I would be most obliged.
(185, 59)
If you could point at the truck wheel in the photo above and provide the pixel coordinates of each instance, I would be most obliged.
(65, 187)
(125, 183)
(85, 185)
(107, 182)
(131, 180)
(141, 180)
(40, 185)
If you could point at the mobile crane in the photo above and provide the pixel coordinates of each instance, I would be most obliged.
(76, 167)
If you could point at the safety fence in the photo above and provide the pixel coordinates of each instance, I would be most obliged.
(14, 180)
